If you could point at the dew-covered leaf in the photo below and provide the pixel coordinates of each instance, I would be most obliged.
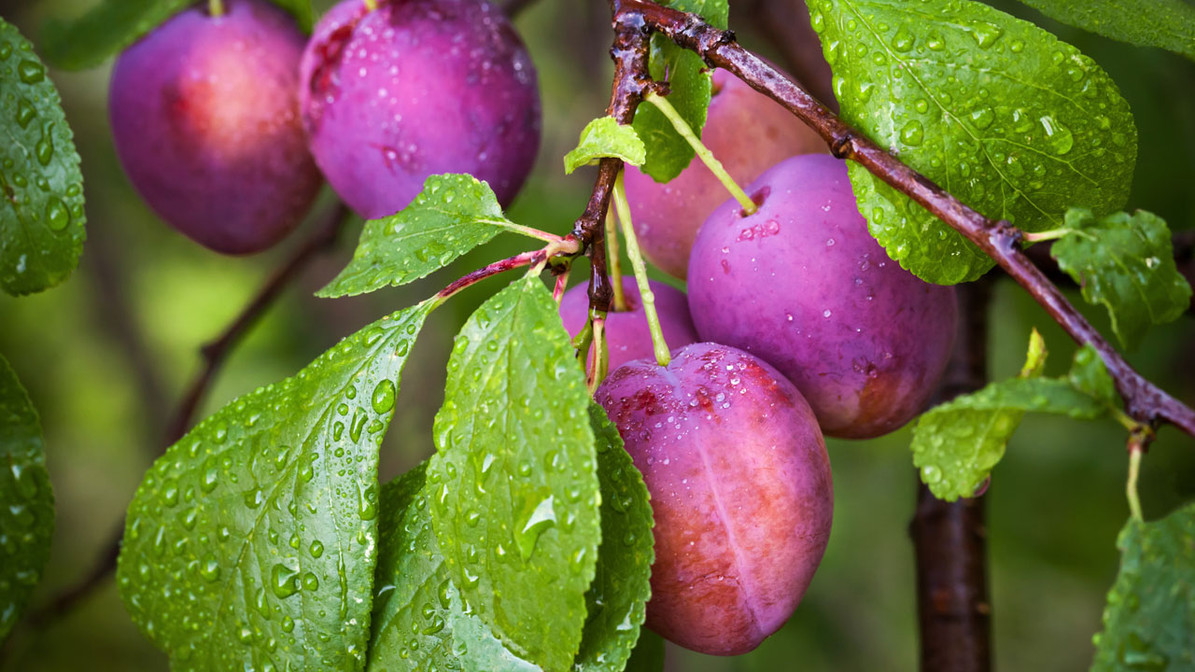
(648, 655)
(1126, 263)
(26, 499)
(605, 137)
(515, 494)
(1015, 123)
(957, 444)
(419, 619)
(1167, 24)
(111, 26)
(690, 87)
(618, 597)
(41, 187)
(251, 544)
(452, 215)
(1150, 613)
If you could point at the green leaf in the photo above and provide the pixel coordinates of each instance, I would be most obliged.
(648, 655)
(110, 27)
(997, 111)
(250, 544)
(957, 444)
(451, 216)
(605, 137)
(618, 597)
(41, 187)
(690, 87)
(1151, 608)
(1167, 24)
(1126, 263)
(514, 482)
(26, 500)
(419, 619)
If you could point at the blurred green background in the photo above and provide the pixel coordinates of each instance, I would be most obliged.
(107, 356)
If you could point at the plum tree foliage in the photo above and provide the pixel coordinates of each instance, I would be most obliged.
(598, 472)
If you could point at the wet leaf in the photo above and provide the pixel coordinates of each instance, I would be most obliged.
(604, 137)
(1167, 24)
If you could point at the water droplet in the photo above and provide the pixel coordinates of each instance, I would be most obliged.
(210, 569)
(985, 34)
(31, 72)
(45, 146)
(25, 113)
(982, 117)
(931, 474)
(383, 396)
(316, 548)
(310, 582)
(1058, 137)
(284, 581)
(542, 517)
(913, 133)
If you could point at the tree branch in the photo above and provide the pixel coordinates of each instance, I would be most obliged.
(214, 353)
(1144, 401)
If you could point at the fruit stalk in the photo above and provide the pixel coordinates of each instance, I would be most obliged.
(1000, 240)
(645, 293)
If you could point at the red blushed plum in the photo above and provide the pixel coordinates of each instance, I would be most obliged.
(627, 334)
(749, 133)
(205, 118)
(416, 88)
(740, 489)
(803, 285)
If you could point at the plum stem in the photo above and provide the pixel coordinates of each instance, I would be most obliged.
(707, 157)
(648, 299)
(371, 5)
(1136, 450)
(614, 261)
(215, 8)
(601, 353)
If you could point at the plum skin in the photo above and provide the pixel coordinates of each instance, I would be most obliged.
(205, 119)
(740, 489)
(627, 333)
(803, 285)
(416, 88)
(749, 133)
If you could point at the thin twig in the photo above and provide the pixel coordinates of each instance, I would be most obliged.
(214, 353)
(1001, 241)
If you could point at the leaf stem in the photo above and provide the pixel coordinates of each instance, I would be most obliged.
(215, 8)
(707, 157)
(1136, 450)
(600, 361)
(663, 358)
(528, 231)
(614, 261)
(1040, 236)
(538, 259)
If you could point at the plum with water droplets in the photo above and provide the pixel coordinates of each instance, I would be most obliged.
(205, 119)
(627, 334)
(803, 285)
(740, 490)
(416, 88)
(748, 132)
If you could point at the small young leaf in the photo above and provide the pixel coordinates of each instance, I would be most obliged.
(605, 137)
(26, 500)
(250, 544)
(618, 597)
(1151, 608)
(957, 444)
(41, 187)
(1126, 263)
(1015, 123)
(419, 619)
(111, 26)
(451, 216)
(1167, 24)
(648, 655)
(690, 87)
(514, 483)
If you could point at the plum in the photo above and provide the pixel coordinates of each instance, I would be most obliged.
(627, 335)
(740, 489)
(415, 88)
(749, 133)
(205, 119)
(802, 284)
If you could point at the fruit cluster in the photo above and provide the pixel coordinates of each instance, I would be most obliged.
(224, 123)
(805, 326)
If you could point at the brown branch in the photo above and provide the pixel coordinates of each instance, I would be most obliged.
(950, 538)
(214, 353)
(1144, 401)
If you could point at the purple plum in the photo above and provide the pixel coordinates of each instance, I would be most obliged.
(803, 285)
(749, 133)
(740, 489)
(416, 88)
(205, 118)
(627, 335)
